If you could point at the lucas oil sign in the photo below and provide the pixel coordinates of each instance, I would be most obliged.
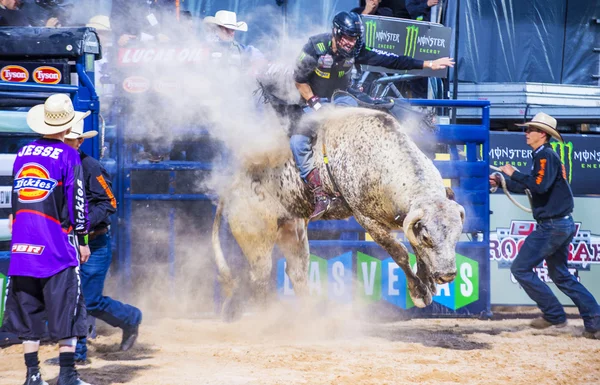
(356, 276)
(419, 40)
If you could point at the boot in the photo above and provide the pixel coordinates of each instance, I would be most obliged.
(130, 335)
(34, 377)
(70, 378)
(322, 200)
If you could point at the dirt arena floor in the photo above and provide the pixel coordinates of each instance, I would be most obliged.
(284, 348)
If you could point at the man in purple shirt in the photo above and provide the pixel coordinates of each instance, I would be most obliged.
(49, 238)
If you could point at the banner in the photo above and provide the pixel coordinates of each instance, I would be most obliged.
(419, 40)
(579, 153)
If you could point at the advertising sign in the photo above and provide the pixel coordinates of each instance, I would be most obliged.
(367, 274)
(419, 40)
(579, 153)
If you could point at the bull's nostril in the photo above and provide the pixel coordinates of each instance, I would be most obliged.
(444, 278)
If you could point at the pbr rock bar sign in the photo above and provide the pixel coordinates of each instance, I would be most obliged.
(419, 40)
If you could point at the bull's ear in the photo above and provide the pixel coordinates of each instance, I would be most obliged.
(450, 194)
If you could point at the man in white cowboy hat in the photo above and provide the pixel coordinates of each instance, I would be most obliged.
(552, 205)
(101, 205)
(49, 240)
(222, 28)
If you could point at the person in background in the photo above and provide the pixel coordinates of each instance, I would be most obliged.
(49, 225)
(372, 7)
(11, 14)
(101, 205)
(552, 205)
(420, 9)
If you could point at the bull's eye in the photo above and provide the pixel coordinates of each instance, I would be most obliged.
(426, 238)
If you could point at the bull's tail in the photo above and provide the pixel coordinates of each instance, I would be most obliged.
(225, 278)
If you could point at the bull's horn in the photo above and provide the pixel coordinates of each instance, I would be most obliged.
(409, 223)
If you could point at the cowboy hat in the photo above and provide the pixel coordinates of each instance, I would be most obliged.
(100, 22)
(545, 123)
(55, 115)
(228, 20)
(77, 132)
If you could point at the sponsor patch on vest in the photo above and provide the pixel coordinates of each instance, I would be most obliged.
(326, 61)
(324, 75)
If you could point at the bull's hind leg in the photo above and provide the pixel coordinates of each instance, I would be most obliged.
(293, 243)
(256, 233)
(419, 292)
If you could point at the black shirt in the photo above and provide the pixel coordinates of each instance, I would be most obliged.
(550, 191)
(10, 18)
(98, 190)
(326, 72)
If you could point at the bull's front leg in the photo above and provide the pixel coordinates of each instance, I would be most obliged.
(419, 292)
(425, 276)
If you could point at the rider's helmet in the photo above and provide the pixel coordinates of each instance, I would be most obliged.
(347, 30)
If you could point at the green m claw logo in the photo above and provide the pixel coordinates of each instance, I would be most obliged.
(412, 32)
(565, 152)
(370, 30)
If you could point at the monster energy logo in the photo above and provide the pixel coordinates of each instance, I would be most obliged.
(341, 74)
(370, 31)
(321, 47)
(565, 152)
(412, 32)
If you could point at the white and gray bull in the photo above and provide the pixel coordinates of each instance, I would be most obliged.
(387, 184)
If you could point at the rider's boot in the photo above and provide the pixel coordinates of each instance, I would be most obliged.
(322, 199)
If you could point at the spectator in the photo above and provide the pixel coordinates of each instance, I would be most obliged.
(420, 9)
(140, 20)
(398, 8)
(372, 7)
(11, 15)
(552, 204)
(101, 204)
(49, 240)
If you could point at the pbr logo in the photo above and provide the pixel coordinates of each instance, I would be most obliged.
(47, 75)
(27, 249)
(506, 243)
(136, 84)
(33, 183)
(14, 73)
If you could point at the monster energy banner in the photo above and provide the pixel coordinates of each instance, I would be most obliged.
(419, 40)
(579, 153)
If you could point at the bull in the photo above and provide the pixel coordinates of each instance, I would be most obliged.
(385, 181)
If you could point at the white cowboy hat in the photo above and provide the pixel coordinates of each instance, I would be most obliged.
(55, 115)
(77, 132)
(545, 123)
(100, 22)
(228, 20)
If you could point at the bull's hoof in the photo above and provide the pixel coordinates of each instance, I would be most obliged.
(422, 300)
(232, 309)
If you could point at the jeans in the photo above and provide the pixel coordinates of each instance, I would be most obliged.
(93, 275)
(550, 241)
(301, 141)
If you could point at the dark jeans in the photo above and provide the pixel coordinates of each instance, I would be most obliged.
(93, 275)
(550, 241)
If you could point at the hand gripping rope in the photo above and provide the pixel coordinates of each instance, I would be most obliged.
(503, 183)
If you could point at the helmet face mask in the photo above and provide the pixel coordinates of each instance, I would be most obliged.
(347, 29)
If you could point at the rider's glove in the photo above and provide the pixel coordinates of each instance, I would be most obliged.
(314, 103)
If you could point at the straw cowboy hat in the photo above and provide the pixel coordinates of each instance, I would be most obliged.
(545, 123)
(77, 132)
(55, 115)
(228, 20)
(100, 22)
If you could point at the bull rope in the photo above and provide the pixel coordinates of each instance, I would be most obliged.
(505, 189)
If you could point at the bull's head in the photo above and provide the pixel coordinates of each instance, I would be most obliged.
(433, 228)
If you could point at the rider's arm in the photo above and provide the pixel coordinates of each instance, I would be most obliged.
(305, 66)
(514, 186)
(378, 58)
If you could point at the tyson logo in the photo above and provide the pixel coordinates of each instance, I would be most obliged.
(14, 73)
(47, 75)
(136, 84)
(33, 183)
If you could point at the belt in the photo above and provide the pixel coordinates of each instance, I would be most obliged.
(96, 233)
(553, 219)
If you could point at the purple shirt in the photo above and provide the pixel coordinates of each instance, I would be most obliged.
(49, 209)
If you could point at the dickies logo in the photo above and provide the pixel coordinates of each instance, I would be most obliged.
(47, 75)
(14, 73)
(27, 249)
(33, 183)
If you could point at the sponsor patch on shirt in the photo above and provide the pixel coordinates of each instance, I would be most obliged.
(33, 183)
(326, 61)
(27, 248)
(324, 75)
